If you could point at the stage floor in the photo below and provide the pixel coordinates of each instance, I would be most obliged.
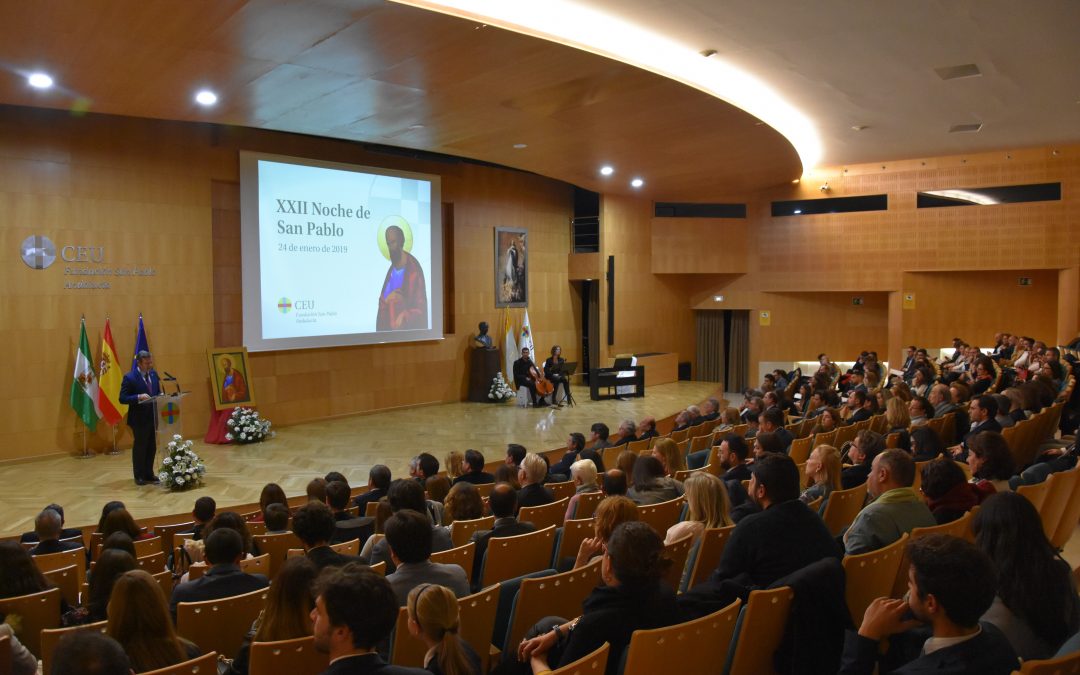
(351, 445)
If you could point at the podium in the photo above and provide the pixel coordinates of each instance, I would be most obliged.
(483, 364)
(167, 418)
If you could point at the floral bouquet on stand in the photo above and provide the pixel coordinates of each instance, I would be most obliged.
(181, 468)
(245, 426)
(500, 390)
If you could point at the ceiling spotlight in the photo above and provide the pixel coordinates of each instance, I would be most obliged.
(520, 146)
(637, 182)
(796, 181)
(797, 211)
(718, 298)
(206, 97)
(606, 170)
(39, 81)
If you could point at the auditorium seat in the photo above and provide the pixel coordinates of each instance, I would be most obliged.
(293, 657)
(1062, 486)
(590, 664)
(709, 550)
(800, 449)
(663, 515)
(687, 648)
(51, 636)
(54, 561)
(1036, 493)
(548, 515)
(842, 507)
(699, 443)
(202, 665)
(220, 625)
(168, 533)
(38, 611)
(1071, 515)
(562, 490)
(1062, 665)
(277, 545)
(871, 575)
(511, 557)
(759, 630)
(145, 547)
(638, 447)
(960, 527)
(677, 552)
(67, 580)
(152, 563)
(825, 438)
(461, 530)
(461, 556)
(571, 534)
(555, 595)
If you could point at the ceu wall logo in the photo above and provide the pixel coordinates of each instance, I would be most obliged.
(38, 252)
(284, 305)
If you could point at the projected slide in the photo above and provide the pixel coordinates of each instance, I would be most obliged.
(337, 255)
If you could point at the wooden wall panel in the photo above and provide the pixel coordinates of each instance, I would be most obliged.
(699, 245)
(816, 322)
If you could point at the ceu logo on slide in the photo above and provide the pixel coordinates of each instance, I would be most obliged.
(284, 305)
(38, 252)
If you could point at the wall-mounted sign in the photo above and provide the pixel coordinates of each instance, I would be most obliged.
(1023, 281)
(89, 261)
(857, 301)
(764, 317)
(909, 300)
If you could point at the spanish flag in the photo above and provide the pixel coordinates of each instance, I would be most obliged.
(109, 378)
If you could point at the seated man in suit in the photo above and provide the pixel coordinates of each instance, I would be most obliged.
(48, 527)
(65, 532)
(614, 483)
(575, 443)
(598, 437)
(732, 456)
(314, 525)
(646, 428)
(355, 612)
(378, 482)
(863, 449)
(982, 410)
(514, 454)
(503, 507)
(531, 477)
(856, 404)
(224, 549)
(951, 584)
(896, 509)
(627, 430)
(475, 474)
(406, 494)
(711, 410)
(408, 535)
(772, 422)
(346, 526)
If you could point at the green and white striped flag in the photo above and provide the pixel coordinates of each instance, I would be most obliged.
(84, 384)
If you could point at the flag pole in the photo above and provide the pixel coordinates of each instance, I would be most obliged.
(86, 454)
(115, 450)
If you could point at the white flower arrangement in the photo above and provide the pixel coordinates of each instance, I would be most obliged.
(500, 390)
(247, 427)
(181, 468)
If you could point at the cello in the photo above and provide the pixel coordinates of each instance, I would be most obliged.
(544, 387)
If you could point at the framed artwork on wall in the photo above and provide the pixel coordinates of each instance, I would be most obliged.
(511, 267)
(229, 377)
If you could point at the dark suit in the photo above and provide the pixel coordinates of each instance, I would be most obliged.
(348, 528)
(220, 581)
(523, 377)
(854, 475)
(534, 495)
(66, 533)
(369, 663)
(372, 495)
(324, 556)
(858, 416)
(476, 478)
(562, 467)
(504, 527)
(739, 472)
(987, 653)
(141, 420)
(54, 546)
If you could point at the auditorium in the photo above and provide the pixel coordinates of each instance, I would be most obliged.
(729, 337)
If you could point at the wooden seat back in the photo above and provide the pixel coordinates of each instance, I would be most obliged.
(462, 530)
(461, 556)
(201, 665)
(1069, 517)
(711, 548)
(870, 576)
(544, 516)
(663, 515)
(555, 595)
(573, 533)
(590, 664)
(800, 449)
(960, 527)
(677, 552)
(67, 580)
(637, 447)
(277, 546)
(761, 627)
(587, 503)
(152, 563)
(220, 625)
(564, 490)
(689, 647)
(1036, 493)
(55, 561)
(510, 557)
(51, 636)
(1062, 485)
(168, 533)
(295, 657)
(38, 611)
(842, 507)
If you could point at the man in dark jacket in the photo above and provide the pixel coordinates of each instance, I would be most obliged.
(224, 548)
(48, 527)
(378, 482)
(531, 477)
(314, 525)
(503, 507)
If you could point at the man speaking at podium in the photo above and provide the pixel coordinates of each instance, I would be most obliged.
(140, 384)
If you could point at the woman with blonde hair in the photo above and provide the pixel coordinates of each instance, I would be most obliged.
(433, 617)
(899, 419)
(823, 469)
(455, 465)
(709, 507)
(609, 513)
(667, 451)
(139, 620)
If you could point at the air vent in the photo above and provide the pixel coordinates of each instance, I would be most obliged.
(958, 72)
(965, 128)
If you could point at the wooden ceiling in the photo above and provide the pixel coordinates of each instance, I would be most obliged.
(372, 71)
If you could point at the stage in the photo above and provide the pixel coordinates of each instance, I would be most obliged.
(351, 445)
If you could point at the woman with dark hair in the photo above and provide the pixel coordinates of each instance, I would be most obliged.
(18, 573)
(828, 420)
(948, 493)
(650, 484)
(271, 494)
(1036, 605)
(233, 521)
(984, 376)
(119, 520)
(463, 502)
(105, 511)
(925, 444)
(633, 596)
(119, 541)
(287, 614)
(626, 461)
(507, 474)
(139, 620)
(109, 566)
(922, 381)
(991, 463)
(767, 444)
(437, 487)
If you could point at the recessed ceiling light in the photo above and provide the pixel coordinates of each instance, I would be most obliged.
(39, 81)
(797, 211)
(520, 146)
(206, 97)
(606, 170)
(718, 298)
(796, 181)
(637, 182)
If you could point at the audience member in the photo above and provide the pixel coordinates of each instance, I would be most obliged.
(271, 494)
(332, 476)
(784, 537)
(277, 519)
(823, 469)
(948, 493)
(433, 617)
(828, 420)
(378, 482)
(314, 526)
(65, 532)
(407, 494)
(287, 615)
(224, 578)
(950, 585)
(347, 527)
(427, 466)
(139, 619)
(575, 443)
(531, 475)
(682, 421)
(991, 463)
(859, 406)
(598, 437)
(732, 456)
(105, 511)
(651, 485)
(708, 507)
(18, 573)
(408, 536)
(614, 483)
(694, 413)
(203, 512)
(119, 520)
(626, 461)
(233, 521)
(896, 509)
(515, 453)
(925, 444)
(121, 542)
(85, 652)
(670, 457)
(583, 473)
(474, 470)
(920, 411)
(767, 444)
(627, 429)
(110, 565)
(355, 611)
(898, 420)
(503, 503)
(861, 452)
(981, 411)
(646, 428)
(316, 490)
(633, 596)
(48, 526)
(1035, 605)
(508, 474)
(455, 464)
(772, 422)
(437, 487)
(463, 502)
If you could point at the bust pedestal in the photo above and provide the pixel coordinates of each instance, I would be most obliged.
(483, 364)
